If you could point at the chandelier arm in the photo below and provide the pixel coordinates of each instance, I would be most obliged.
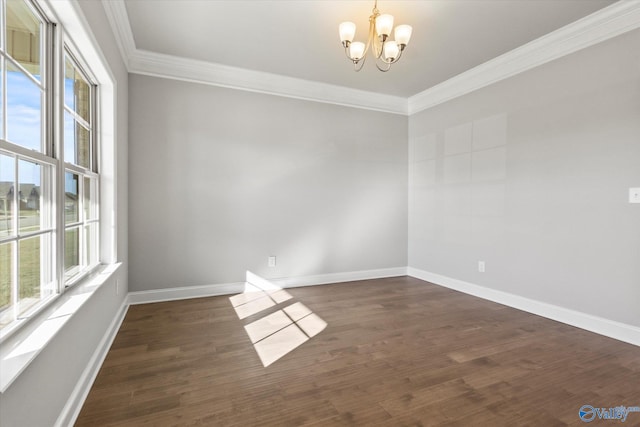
(389, 63)
(399, 56)
(366, 49)
(396, 59)
(379, 48)
(361, 62)
(346, 53)
(384, 70)
(370, 37)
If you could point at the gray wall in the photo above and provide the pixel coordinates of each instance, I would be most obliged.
(531, 175)
(38, 395)
(221, 179)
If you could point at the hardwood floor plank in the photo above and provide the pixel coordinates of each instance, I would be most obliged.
(394, 352)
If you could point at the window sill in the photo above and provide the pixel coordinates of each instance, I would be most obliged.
(19, 349)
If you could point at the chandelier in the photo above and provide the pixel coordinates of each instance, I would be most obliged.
(386, 51)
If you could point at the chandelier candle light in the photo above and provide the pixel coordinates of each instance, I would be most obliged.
(386, 51)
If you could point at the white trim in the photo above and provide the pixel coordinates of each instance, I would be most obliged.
(608, 22)
(23, 345)
(351, 276)
(611, 21)
(118, 18)
(609, 328)
(139, 61)
(79, 34)
(186, 292)
(191, 70)
(80, 392)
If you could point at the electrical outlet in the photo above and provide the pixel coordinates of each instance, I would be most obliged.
(271, 261)
(481, 266)
(634, 195)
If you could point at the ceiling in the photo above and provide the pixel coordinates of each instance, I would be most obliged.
(299, 39)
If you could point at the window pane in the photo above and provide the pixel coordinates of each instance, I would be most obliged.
(23, 32)
(69, 78)
(76, 91)
(31, 275)
(1, 100)
(91, 247)
(69, 138)
(87, 198)
(7, 175)
(30, 185)
(29, 269)
(76, 142)
(6, 270)
(24, 107)
(71, 252)
(71, 208)
(83, 154)
(82, 98)
(90, 201)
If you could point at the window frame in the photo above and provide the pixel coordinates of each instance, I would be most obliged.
(55, 47)
(84, 266)
(47, 196)
(46, 70)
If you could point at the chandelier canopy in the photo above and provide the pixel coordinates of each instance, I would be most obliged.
(386, 51)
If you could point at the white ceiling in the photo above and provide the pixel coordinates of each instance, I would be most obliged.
(300, 38)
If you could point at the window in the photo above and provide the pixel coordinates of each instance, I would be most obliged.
(80, 178)
(49, 178)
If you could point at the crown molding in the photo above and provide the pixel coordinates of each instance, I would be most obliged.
(118, 19)
(144, 62)
(602, 25)
(191, 70)
(611, 21)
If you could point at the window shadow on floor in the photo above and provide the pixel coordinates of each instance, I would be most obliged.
(280, 332)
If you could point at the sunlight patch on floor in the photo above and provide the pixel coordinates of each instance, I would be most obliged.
(253, 307)
(250, 293)
(277, 334)
(262, 328)
(277, 345)
(297, 311)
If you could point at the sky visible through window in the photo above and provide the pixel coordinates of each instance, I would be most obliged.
(24, 106)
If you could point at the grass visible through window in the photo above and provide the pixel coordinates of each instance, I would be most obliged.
(28, 270)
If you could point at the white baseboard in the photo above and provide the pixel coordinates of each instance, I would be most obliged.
(351, 276)
(186, 292)
(609, 328)
(74, 404)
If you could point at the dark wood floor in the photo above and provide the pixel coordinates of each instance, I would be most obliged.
(395, 352)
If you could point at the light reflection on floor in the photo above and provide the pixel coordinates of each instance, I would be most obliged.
(280, 332)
